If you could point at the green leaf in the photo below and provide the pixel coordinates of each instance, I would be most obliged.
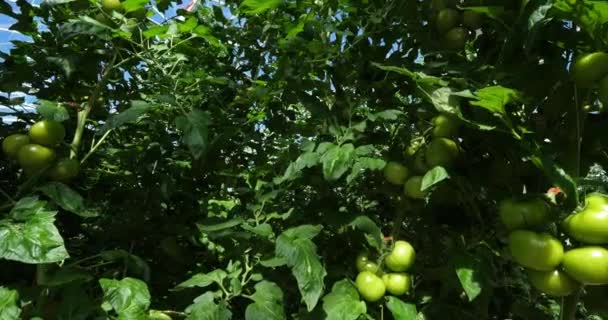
(362, 164)
(471, 274)
(373, 234)
(444, 101)
(433, 177)
(64, 276)
(195, 131)
(390, 114)
(9, 308)
(337, 160)
(133, 114)
(203, 280)
(156, 31)
(259, 6)
(128, 297)
(296, 247)
(343, 302)
(187, 25)
(268, 303)
(31, 236)
(591, 15)
(67, 199)
(305, 160)
(219, 226)
(52, 110)
(205, 308)
(134, 5)
(401, 310)
(495, 98)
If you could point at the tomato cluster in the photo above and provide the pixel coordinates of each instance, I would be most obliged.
(35, 152)
(455, 25)
(372, 283)
(550, 268)
(442, 150)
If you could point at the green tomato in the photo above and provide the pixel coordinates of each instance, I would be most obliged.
(402, 256)
(397, 283)
(554, 283)
(441, 152)
(456, 38)
(445, 126)
(589, 68)
(603, 92)
(365, 264)
(447, 19)
(536, 251)
(33, 158)
(370, 286)
(590, 225)
(412, 188)
(111, 5)
(47, 133)
(587, 265)
(521, 214)
(64, 170)
(471, 19)
(395, 173)
(14, 142)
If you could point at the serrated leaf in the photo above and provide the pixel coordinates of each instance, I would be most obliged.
(31, 236)
(470, 272)
(52, 110)
(268, 303)
(362, 164)
(194, 128)
(128, 297)
(401, 310)
(205, 308)
(203, 280)
(300, 253)
(305, 160)
(495, 98)
(343, 302)
(433, 177)
(259, 6)
(9, 308)
(444, 101)
(133, 114)
(373, 234)
(336, 161)
(67, 199)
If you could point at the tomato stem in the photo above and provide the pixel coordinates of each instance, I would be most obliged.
(568, 307)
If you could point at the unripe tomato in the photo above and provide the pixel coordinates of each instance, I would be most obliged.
(64, 170)
(441, 152)
(365, 264)
(456, 38)
(370, 286)
(590, 225)
(397, 283)
(14, 142)
(520, 214)
(537, 251)
(472, 19)
(589, 68)
(587, 265)
(401, 257)
(554, 283)
(47, 133)
(395, 173)
(445, 126)
(111, 5)
(447, 19)
(33, 157)
(412, 188)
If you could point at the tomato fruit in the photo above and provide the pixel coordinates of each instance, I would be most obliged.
(445, 126)
(456, 38)
(111, 5)
(472, 19)
(589, 68)
(395, 173)
(412, 188)
(397, 283)
(370, 286)
(14, 142)
(441, 152)
(590, 225)
(554, 283)
(447, 19)
(34, 157)
(520, 214)
(401, 257)
(537, 251)
(365, 264)
(64, 170)
(587, 265)
(47, 133)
